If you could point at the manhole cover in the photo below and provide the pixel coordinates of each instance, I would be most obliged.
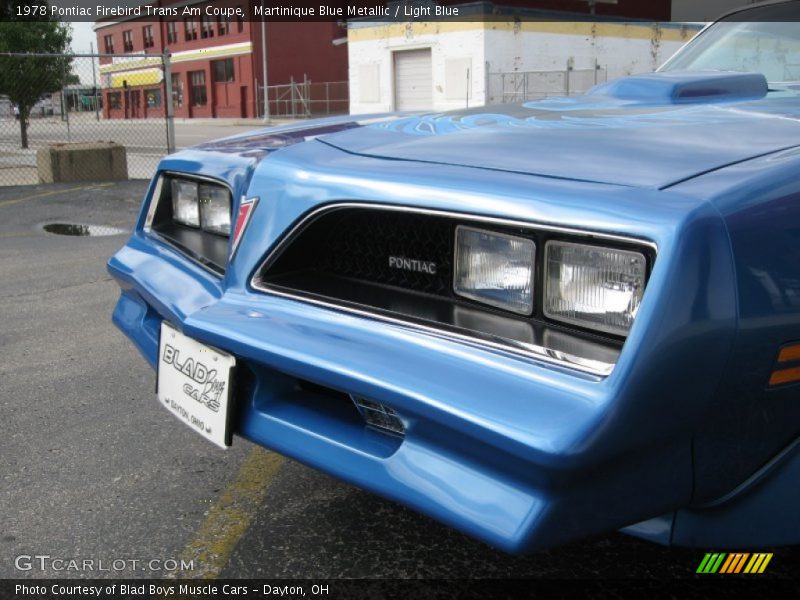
(82, 230)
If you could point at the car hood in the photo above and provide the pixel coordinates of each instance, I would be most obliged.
(645, 131)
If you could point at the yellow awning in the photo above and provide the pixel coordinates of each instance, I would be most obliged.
(136, 78)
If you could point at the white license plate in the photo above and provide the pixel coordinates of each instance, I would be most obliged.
(194, 384)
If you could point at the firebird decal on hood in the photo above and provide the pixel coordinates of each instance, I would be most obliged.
(592, 116)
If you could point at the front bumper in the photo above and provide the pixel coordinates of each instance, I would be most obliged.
(520, 454)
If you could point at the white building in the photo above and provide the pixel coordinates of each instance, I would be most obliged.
(450, 65)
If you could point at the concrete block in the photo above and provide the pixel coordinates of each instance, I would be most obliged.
(85, 161)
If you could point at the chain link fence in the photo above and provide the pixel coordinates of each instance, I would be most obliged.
(522, 86)
(83, 102)
(125, 101)
(82, 105)
(302, 99)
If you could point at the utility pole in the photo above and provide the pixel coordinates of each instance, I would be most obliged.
(94, 84)
(264, 68)
(166, 57)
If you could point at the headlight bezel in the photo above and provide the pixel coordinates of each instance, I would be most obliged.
(602, 327)
(205, 206)
(487, 300)
(176, 190)
(541, 236)
(209, 249)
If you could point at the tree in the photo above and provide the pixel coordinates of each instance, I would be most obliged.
(26, 79)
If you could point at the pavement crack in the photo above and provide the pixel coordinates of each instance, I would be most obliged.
(55, 289)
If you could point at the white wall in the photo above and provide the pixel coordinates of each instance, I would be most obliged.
(621, 49)
(370, 58)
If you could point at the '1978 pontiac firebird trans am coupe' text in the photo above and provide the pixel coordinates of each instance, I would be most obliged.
(534, 322)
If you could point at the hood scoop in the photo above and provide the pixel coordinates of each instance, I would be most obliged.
(684, 87)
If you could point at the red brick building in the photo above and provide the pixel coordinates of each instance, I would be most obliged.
(217, 68)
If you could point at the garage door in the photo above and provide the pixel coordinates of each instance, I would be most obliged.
(413, 80)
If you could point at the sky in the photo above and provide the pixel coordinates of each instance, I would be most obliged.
(82, 36)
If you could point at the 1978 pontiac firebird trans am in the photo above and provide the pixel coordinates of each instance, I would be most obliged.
(534, 322)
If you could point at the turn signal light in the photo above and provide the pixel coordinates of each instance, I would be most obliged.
(785, 376)
(787, 373)
(789, 354)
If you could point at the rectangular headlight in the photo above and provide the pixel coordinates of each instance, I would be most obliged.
(591, 286)
(495, 269)
(215, 209)
(184, 202)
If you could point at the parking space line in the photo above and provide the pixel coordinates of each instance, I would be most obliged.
(54, 192)
(229, 519)
(15, 234)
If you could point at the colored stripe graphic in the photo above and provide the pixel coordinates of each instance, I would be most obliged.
(711, 562)
(763, 562)
(736, 562)
(704, 563)
(729, 563)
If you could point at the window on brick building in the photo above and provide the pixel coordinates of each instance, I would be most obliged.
(222, 70)
(172, 32)
(147, 36)
(153, 98)
(127, 41)
(197, 80)
(190, 29)
(207, 27)
(223, 26)
(108, 42)
(177, 89)
(115, 100)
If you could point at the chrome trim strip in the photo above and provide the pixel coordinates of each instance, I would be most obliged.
(479, 340)
(153, 204)
(530, 351)
(317, 212)
(665, 65)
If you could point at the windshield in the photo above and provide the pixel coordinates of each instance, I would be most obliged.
(770, 46)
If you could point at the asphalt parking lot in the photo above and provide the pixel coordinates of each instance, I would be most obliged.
(94, 469)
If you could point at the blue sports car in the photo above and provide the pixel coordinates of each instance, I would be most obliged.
(534, 322)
